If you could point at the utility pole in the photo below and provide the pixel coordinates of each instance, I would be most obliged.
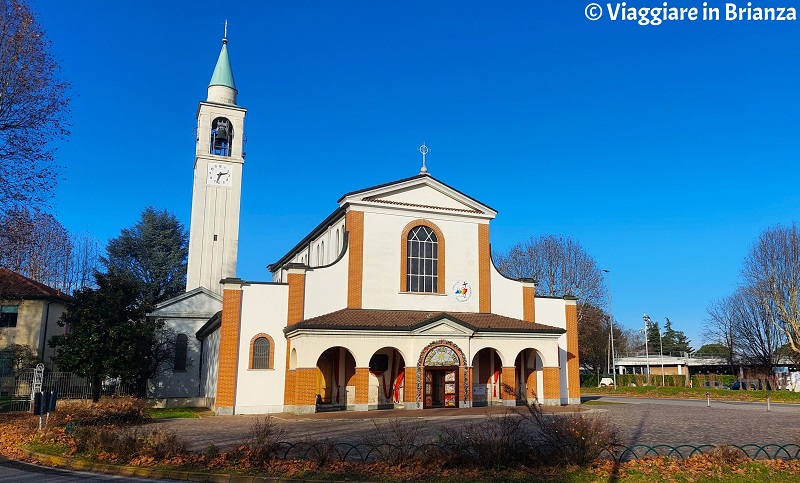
(647, 322)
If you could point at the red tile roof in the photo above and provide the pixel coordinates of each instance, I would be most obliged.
(15, 286)
(412, 319)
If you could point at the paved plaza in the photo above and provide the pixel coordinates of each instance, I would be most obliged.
(640, 420)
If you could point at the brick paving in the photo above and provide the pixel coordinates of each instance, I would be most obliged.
(645, 421)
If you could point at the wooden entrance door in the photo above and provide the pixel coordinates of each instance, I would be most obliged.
(441, 388)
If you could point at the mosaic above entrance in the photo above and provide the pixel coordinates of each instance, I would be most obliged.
(441, 356)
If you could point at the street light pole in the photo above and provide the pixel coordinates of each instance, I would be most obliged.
(611, 325)
(647, 322)
(661, 343)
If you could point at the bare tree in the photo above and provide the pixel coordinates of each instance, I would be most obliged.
(35, 244)
(772, 271)
(594, 341)
(560, 266)
(748, 319)
(17, 357)
(85, 260)
(719, 327)
(34, 108)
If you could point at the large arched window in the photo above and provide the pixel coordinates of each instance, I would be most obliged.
(422, 273)
(422, 258)
(181, 349)
(262, 352)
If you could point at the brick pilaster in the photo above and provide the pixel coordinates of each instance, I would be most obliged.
(573, 366)
(531, 384)
(484, 269)
(552, 386)
(296, 277)
(508, 386)
(228, 363)
(305, 384)
(362, 385)
(410, 385)
(528, 300)
(354, 223)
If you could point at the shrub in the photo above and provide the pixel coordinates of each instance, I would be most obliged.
(160, 445)
(112, 442)
(109, 410)
(125, 444)
(322, 452)
(398, 441)
(211, 451)
(495, 442)
(727, 456)
(575, 439)
(263, 440)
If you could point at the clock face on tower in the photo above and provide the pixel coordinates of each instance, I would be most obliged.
(219, 174)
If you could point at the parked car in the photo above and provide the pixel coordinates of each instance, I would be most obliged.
(739, 385)
(715, 385)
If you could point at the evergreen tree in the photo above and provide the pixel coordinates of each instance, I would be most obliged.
(100, 321)
(714, 350)
(110, 334)
(675, 341)
(653, 337)
(152, 253)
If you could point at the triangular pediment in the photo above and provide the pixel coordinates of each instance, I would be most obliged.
(421, 192)
(444, 326)
(197, 303)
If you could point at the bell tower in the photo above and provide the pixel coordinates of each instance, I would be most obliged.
(217, 188)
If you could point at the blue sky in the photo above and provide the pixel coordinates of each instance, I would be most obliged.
(665, 150)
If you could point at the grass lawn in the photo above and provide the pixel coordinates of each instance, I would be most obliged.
(694, 393)
(179, 413)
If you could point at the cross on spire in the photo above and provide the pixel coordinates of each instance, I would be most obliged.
(424, 150)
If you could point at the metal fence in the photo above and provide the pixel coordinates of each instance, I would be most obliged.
(369, 452)
(16, 391)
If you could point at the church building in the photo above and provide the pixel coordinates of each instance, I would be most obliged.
(392, 301)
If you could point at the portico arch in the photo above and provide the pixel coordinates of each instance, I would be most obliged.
(386, 378)
(335, 377)
(528, 370)
(487, 378)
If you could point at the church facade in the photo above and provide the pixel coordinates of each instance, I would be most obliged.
(392, 301)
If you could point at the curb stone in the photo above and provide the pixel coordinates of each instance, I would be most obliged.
(144, 472)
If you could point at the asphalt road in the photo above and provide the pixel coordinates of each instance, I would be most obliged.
(19, 472)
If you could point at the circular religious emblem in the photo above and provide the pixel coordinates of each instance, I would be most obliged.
(462, 291)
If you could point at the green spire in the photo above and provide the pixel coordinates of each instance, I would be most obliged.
(223, 74)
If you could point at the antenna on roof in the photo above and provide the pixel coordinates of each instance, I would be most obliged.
(225, 34)
(424, 150)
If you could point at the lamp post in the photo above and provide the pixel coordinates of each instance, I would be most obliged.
(611, 325)
(647, 322)
(661, 343)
